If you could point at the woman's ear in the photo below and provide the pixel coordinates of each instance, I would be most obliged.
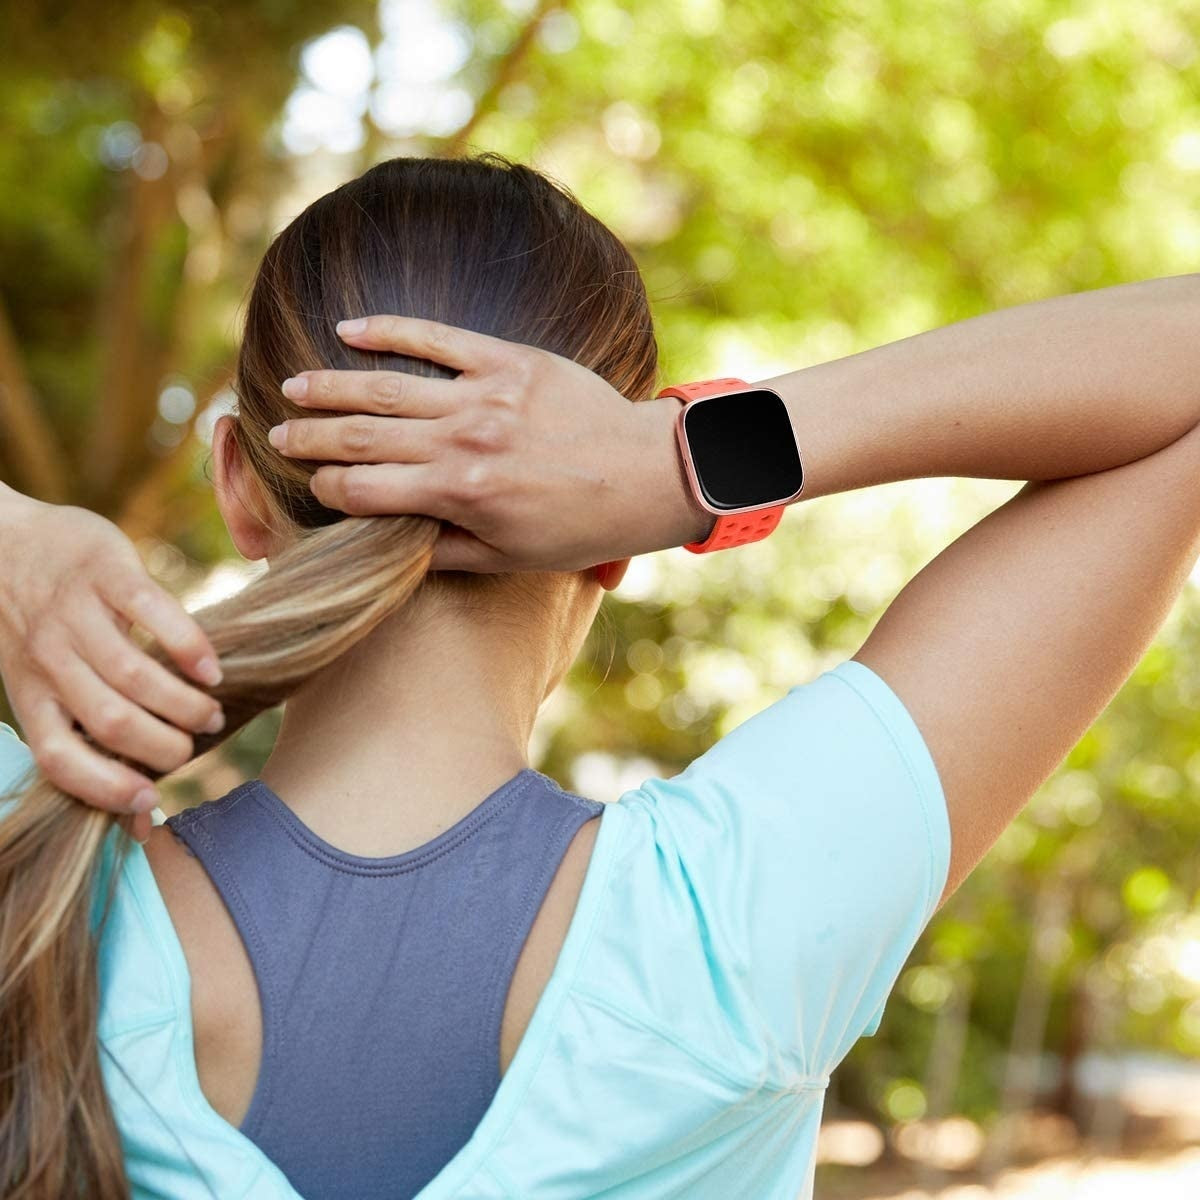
(238, 496)
(610, 574)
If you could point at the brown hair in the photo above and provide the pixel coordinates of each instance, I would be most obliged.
(479, 242)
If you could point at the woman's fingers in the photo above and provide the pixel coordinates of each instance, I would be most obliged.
(137, 598)
(115, 722)
(132, 672)
(66, 759)
(355, 439)
(462, 349)
(388, 393)
(140, 825)
(459, 550)
(391, 488)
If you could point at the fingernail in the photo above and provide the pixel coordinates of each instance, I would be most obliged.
(295, 387)
(145, 800)
(347, 328)
(215, 723)
(209, 671)
(277, 436)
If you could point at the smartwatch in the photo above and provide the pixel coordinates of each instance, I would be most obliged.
(740, 455)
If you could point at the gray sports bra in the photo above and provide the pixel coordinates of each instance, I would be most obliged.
(382, 981)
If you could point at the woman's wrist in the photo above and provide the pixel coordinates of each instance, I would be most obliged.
(670, 514)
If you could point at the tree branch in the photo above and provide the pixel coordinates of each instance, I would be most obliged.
(32, 452)
(136, 349)
(506, 69)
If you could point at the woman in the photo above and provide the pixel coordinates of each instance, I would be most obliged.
(402, 962)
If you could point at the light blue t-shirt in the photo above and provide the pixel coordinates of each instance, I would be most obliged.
(740, 927)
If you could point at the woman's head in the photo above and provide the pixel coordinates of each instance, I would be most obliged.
(481, 243)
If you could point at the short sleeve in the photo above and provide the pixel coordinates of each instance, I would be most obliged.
(814, 843)
(15, 759)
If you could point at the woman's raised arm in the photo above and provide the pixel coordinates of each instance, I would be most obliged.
(1007, 646)
(1004, 648)
(1067, 386)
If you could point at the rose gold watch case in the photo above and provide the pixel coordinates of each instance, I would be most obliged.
(690, 466)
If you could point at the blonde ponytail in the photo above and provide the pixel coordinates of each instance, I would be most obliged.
(58, 1139)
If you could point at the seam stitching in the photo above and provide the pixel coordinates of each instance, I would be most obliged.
(116, 1032)
(501, 1179)
(806, 1083)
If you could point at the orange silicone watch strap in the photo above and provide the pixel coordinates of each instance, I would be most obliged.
(731, 529)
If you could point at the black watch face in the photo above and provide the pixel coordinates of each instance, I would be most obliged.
(743, 448)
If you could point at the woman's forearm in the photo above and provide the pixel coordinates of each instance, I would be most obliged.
(1056, 388)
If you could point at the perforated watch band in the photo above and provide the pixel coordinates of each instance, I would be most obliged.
(731, 529)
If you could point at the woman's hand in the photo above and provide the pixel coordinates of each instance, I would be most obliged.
(71, 587)
(535, 461)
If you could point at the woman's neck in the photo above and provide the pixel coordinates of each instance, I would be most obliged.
(409, 731)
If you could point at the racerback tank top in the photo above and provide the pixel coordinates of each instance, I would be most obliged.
(382, 981)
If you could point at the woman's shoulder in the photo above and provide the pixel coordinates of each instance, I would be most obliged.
(763, 899)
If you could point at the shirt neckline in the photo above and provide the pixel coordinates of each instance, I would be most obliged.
(514, 1084)
(490, 807)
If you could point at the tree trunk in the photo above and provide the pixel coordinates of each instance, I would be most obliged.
(1029, 1025)
(33, 457)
